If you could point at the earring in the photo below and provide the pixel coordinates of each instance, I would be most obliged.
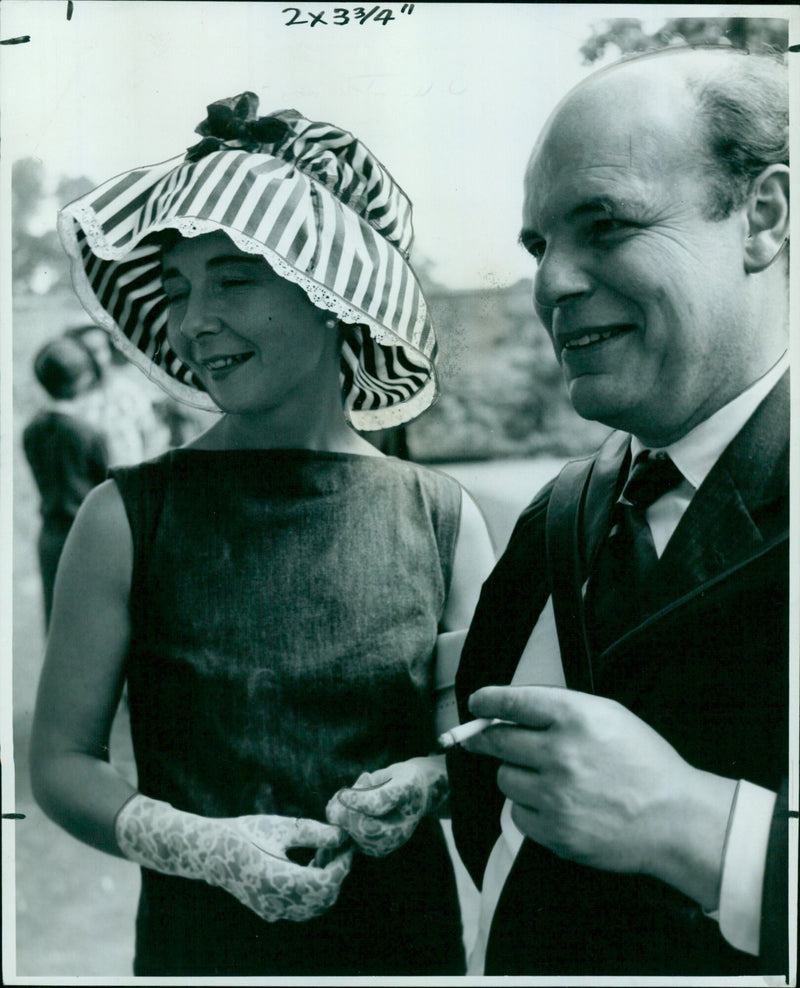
(331, 323)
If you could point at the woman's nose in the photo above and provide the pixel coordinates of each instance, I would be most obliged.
(560, 277)
(198, 318)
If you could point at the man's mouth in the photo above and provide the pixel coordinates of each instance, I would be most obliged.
(596, 336)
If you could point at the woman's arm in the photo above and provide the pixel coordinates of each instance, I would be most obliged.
(83, 673)
(474, 560)
(75, 785)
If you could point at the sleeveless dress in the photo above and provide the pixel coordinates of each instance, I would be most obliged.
(285, 606)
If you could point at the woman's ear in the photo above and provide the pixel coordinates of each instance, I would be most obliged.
(767, 218)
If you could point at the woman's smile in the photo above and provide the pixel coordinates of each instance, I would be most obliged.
(253, 338)
(220, 365)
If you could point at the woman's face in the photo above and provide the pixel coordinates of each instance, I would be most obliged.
(253, 339)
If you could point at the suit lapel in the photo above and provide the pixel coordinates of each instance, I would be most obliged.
(602, 490)
(742, 504)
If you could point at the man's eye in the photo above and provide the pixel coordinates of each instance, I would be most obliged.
(536, 249)
(606, 225)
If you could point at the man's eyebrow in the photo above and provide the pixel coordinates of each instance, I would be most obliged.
(600, 204)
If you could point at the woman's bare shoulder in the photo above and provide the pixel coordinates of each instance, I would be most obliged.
(100, 543)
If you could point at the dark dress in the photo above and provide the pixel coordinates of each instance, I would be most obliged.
(285, 606)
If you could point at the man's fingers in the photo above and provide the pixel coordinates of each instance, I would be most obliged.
(530, 822)
(529, 706)
(523, 786)
(523, 746)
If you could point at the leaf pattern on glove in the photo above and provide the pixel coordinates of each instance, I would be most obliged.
(382, 809)
(245, 855)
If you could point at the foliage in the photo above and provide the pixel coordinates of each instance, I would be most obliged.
(627, 35)
(38, 260)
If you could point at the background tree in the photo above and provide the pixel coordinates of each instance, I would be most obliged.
(38, 261)
(626, 34)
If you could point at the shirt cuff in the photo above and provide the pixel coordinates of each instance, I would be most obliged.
(743, 864)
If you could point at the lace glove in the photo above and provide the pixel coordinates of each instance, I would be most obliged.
(246, 855)
(382, 810)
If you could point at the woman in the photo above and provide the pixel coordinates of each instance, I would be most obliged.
(273, 591)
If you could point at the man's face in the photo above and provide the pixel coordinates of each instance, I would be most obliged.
(642, 296)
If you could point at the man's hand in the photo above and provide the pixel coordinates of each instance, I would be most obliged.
(595, 784)
(381, 810)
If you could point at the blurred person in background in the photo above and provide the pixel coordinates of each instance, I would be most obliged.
(135, 421)
(98, 417)
(65, 446)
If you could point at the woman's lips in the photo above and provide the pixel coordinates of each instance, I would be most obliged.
(225, 362)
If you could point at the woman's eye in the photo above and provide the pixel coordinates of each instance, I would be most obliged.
(235, 282)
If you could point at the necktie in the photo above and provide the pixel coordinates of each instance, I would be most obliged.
(617, 592)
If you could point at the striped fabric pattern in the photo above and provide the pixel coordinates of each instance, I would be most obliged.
(322, 211)
(354, 176)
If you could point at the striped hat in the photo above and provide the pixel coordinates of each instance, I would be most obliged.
(310, 199)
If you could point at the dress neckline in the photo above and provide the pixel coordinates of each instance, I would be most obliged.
(288, 452)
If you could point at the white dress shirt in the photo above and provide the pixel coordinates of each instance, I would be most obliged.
(739, 912)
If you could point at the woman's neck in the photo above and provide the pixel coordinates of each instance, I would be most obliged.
(309, 416)
(272, 430)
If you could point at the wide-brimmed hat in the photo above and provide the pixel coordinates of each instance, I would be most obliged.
(310, 199)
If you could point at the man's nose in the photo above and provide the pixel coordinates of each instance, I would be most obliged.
(560, 277)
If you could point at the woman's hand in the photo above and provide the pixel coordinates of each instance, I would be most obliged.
(381, 811)
(247, 856)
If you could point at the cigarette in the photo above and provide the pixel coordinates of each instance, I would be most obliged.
(458, 734)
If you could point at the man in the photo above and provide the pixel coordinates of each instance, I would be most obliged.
(649, 792)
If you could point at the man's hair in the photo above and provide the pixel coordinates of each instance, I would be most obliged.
(743, 101)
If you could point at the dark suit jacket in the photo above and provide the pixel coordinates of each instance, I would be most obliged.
(708, 669)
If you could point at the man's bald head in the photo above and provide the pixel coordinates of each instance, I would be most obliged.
(741, 102)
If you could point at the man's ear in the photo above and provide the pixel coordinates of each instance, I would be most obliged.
(767, 218)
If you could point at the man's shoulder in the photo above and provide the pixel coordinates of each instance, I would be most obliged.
(574, 471)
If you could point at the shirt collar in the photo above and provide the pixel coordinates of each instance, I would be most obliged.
(696, 453)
